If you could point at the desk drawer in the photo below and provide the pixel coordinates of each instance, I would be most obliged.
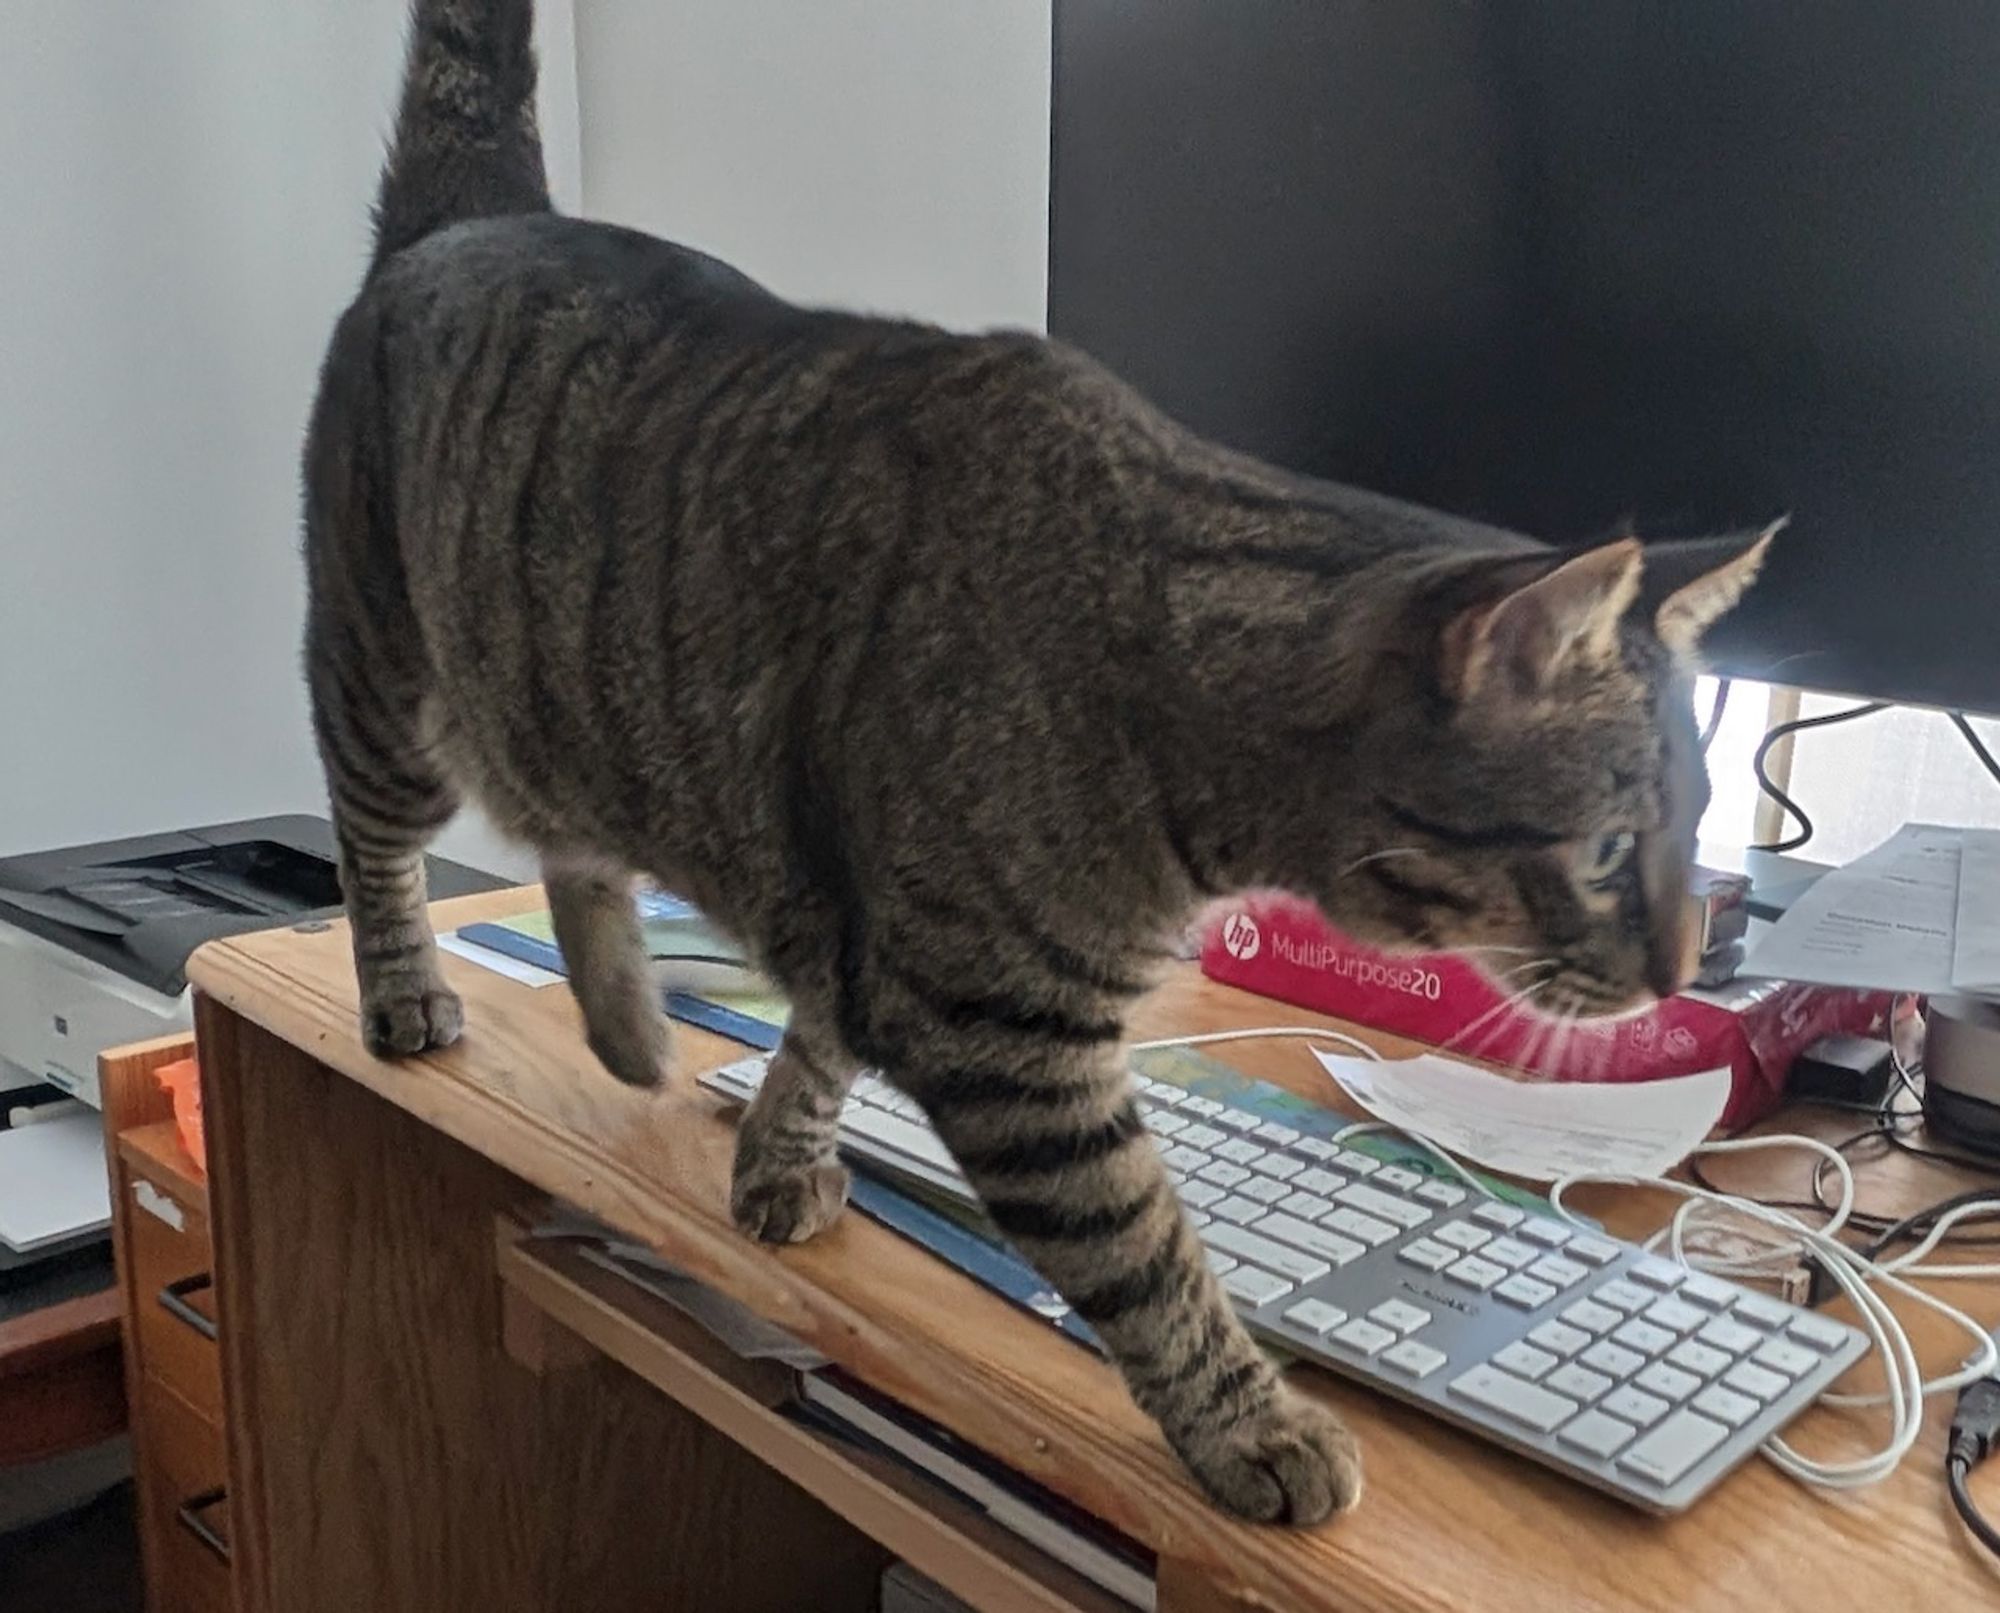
(173, 1295)
(183, 1486)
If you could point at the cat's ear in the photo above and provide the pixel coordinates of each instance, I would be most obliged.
(1692, 586)
(1518, 643)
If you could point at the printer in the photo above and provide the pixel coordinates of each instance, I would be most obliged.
(94, 940)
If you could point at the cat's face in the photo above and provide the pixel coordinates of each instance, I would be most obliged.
(1547, 809)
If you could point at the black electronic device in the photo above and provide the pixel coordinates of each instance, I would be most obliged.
(1564, 264)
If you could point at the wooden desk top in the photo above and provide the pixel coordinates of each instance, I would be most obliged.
(1448, 1522)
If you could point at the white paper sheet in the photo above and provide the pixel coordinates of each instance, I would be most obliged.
(52, 1181)
(1538, 1129)
(1887, 921)
(1975, 961)
(529, 974)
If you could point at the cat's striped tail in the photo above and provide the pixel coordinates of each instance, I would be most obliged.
(466, 143)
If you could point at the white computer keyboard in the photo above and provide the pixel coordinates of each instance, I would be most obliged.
(1580, 1351)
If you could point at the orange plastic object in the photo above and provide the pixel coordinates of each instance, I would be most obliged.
(181, 1081)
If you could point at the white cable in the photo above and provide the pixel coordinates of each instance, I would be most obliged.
(1424, 1143)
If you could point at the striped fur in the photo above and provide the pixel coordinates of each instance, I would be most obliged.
(949, 676)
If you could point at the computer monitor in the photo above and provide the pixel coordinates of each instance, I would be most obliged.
(1568, 264)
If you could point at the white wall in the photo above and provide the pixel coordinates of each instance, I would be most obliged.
(889, 155)
(185, 190)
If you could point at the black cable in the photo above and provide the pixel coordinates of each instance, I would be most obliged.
(1714, 723)
(1968, 1511)
(1799, 725)
(1979, 749)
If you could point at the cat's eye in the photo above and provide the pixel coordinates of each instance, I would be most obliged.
(1607, 854)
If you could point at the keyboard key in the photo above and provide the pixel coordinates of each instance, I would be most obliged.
(1674, 1447)
(1662, 1275)
(1786, 1358)
(1560, 1337)
(1415, 1359)
(1254, 1287)
(1324, 1183)
(1201, 1137)
(904, 1136)
(1621, 1295)
(1700, 1359)
(1316, 1148)
(1726, 1405)
(1164, 1123)
(1821, 1333)
(1272, 1132)
(1525, 1293)
(1761, 1312)
(1731, 1336)
(1263, 1190)
(1240, 1211)
(1669, 1383)
(1202, 1106)
(1557, 1269)
(1366, 1336)
(1710, 1293)
(1395, 1176)
(1615, 1359)
(1756, 1382)
(1509, 1252)
(1184, 1160)
(1549, 1234)
(1236, 1119)
(1462, 1235)
(1199, 1195)
(1219, 1263)
(1373, 1201)
(1674, 1316)
(1160, 1092)
(1357, 1164)
(1238, 1150)
(1579, 1383)
(1641, 1336)
(1426, 1255)
(1596, 1434)
(1518, 1401)
(1474, 1273)
(1635, 1406)
(1329, 1246)
(1223, 1174)
(1592, 1251)
(1306, 1206)
(1356, 1225)
(1199, 1219)
(1523, 1360)
(1279, 1167)
(1496, 1214)
(1315, 1316)
(1400, 1316)
(1295, 1264)
(1591, 1316)
(1446, 1195)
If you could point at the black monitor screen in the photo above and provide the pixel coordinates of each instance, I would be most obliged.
(1566, 265)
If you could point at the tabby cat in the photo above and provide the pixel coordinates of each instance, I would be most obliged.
(952, 678)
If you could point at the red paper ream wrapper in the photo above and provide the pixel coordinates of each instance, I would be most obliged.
(1280, 947)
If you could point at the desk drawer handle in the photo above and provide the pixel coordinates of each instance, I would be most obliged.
(173, 1300)
(190, 1511)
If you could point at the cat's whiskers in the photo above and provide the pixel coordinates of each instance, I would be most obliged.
(1499, 1009)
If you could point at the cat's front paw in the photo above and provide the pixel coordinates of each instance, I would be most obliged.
(789, 1205)
(1288, 1461)
(410, 1014)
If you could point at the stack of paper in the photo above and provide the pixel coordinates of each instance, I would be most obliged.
(52, 1182)
(1921, 912)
